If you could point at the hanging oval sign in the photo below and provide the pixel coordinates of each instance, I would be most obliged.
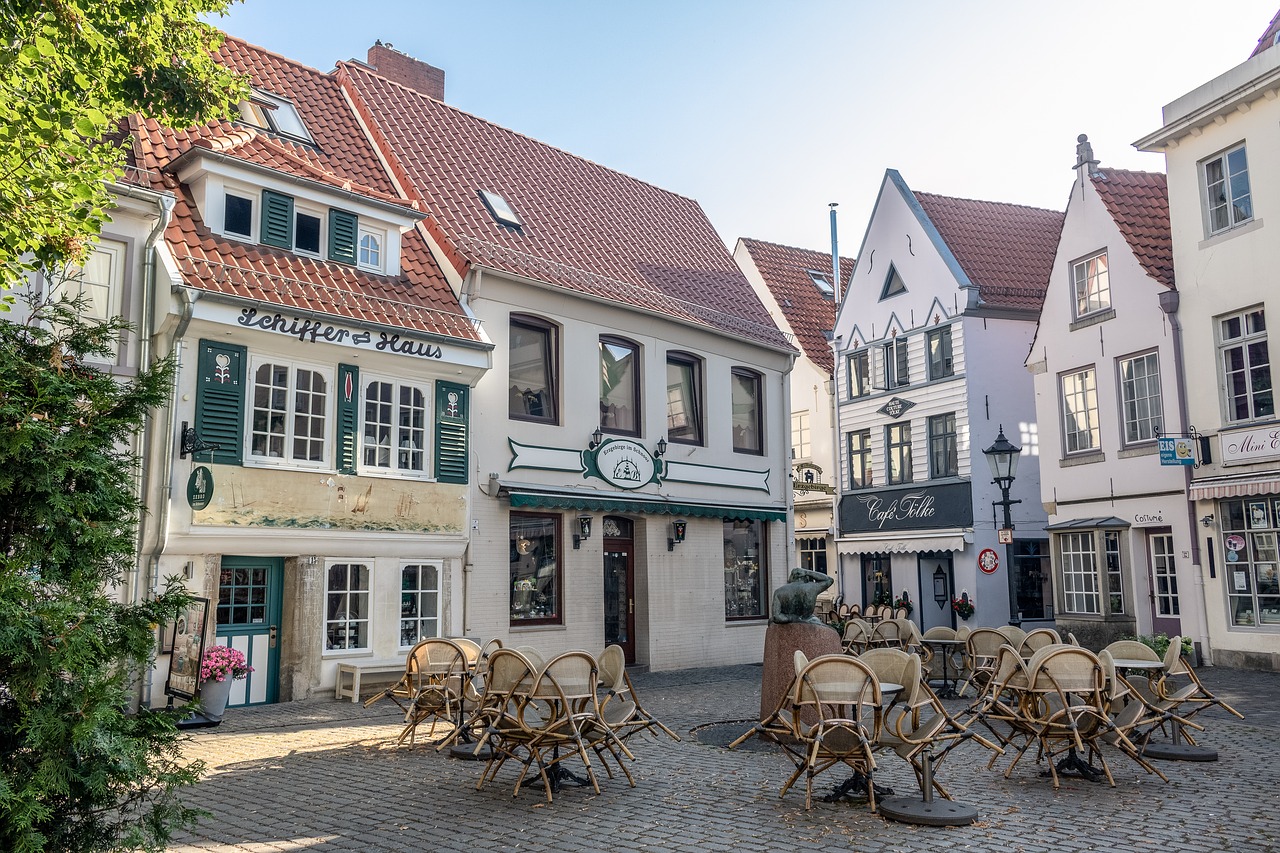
(200, 488)
(988, 561)
(1235, 542)
(625, 464)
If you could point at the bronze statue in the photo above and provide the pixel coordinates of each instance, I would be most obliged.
(795, 599)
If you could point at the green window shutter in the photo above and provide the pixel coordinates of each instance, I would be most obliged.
(220, 393)
(451, 432)
(342, 236)
(348, 417)
(277, 219)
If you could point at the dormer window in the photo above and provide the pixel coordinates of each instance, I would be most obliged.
(306, 233)
(238, 216)
(499, 209)
(275, 114)
(371, 249)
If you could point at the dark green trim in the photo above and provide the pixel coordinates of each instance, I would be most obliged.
(220, 396)
(655, 507)
(343, 228)
(348, 417)
(277, 219)
(451, 432)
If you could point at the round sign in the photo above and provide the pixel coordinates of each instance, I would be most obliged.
(1235, 542)
(625, 464)
(988, 561)
(200, 488)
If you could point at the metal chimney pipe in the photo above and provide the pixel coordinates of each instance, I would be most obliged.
(835, 252)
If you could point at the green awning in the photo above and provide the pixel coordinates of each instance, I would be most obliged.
(593, 503)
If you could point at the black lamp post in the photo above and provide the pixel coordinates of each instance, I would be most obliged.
(1003, 458)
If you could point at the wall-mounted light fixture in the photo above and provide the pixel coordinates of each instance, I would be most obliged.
(661, 449)
(191, 442)
(596, 438)
(1207, 521)
(584, 531)
(678, 529)
(940, 594)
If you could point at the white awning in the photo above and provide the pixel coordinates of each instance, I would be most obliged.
(951, 540)
(1238, 486)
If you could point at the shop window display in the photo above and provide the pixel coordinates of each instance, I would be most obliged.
(535, 569)
(1249, 529)
(745, 572)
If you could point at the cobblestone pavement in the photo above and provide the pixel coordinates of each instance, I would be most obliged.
(325, 774)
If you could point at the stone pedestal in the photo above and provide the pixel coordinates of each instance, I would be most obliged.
(780, 645)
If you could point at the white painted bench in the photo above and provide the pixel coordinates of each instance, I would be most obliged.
(357, 670)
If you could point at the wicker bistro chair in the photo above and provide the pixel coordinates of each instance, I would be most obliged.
(998, 707)
(1180, 687)
(886, 634)
(843, 695)
(932, 661)
(980, 649)
(510, 719)
(620, 706)
(1038, 639)
(857, 636)
(1014, 634)
(440, 687)
(401, 693)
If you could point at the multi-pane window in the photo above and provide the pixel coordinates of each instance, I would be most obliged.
(746, 575)
(534, 549)
(1091, 284)
(1140, 397)
(419, 603)
(941, 362)
(1227, 195)
(1246, 365)
(99, 285)
(1079, 573)
(395, 427)
(532, 370)
(290, 413)
(801, 447)
(1115, 578)
(897, 367)
(1250, 530)
(813, 553)
(1080, 411)
(748, 415)
(944, 461)
(684, 398)
(898, 453)
(370, 249)
(859, 374)
(1164, 575)
(619, 386)
(859, 446)
(346, 609)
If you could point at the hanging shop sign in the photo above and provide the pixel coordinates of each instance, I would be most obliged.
(626, 464)
(988, 561)
(200, 488)
(1250, 445)
(910, 508)
(1177, 451)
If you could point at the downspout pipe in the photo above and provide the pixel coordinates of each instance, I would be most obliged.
(1169, 301)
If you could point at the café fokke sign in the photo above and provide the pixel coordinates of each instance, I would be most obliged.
(1261, 444)
(918, 508)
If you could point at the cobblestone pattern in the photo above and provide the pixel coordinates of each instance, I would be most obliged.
(325, 775)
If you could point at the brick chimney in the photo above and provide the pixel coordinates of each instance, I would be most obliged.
(406, 70)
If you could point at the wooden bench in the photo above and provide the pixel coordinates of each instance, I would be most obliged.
(358, 670)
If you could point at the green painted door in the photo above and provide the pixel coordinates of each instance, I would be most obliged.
(249, 620)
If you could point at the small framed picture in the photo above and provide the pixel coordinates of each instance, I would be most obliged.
(1258, 516)
(187, 650)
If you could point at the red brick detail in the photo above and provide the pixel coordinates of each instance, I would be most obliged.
(407, 71)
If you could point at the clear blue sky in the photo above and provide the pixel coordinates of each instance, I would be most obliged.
(764, 112)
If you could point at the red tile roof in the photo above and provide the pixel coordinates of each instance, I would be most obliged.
(1268, 36)
(418, 299)
(1139, 204)
(585, 227)
(811, 315)
(1007, 250)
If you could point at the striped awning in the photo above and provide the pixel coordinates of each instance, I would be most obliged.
(591, 502)
(1238, 486)
(949, 541)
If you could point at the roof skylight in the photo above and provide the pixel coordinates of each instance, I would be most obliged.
(275, 114)
(822, 283)
(499, 209)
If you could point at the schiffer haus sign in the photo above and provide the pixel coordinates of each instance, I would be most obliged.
(907, 508)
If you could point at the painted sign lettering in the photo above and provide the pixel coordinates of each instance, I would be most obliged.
(309, 331)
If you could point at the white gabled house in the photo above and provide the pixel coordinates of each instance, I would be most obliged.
(929, 344)
(1122, 535)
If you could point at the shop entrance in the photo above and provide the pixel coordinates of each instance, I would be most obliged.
(619, 586)
(1166, 614)
(249, 620)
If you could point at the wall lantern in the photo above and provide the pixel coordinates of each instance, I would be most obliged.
(678, 529)
(661, 449)
(940, 586)
(584, 531)
(1207, 521)
(596, 438)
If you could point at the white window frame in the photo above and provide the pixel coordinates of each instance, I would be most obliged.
(253, 199)
(1085, 401)
(286, 461)
(77, 282)
(395, 469)
(410, 624)
(302, 208)
(1090, 286)
(801, 436)
(858, 366)
(1139, 393)
(338, 622)
(1246, 343)
(1237, 207)
(945, 363)
(1078, 559)
(377, 234)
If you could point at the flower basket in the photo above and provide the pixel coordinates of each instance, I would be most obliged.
(223, 663)
(962, 606)
(903, 603)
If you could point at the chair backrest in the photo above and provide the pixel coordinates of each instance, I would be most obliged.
(890, 665)
(1039, 638)
(508, 668)
(489, 648)
(534, 656)
(908, 631)
(437, 657)
(470, 648)
(983, 643)
(571, 676)
(900, 613)
(1173, 661)
(963, 632)
(613, 666)
(801, 660)
(854, 610)
(857, 631)
(1071, 639)
(939, 632)
(837, 685)
(1131, 650)
(1066, 669)
(1010, 672)
(1014, 634)
(887, 632)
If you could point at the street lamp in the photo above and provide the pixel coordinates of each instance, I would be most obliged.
(1003, 458)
